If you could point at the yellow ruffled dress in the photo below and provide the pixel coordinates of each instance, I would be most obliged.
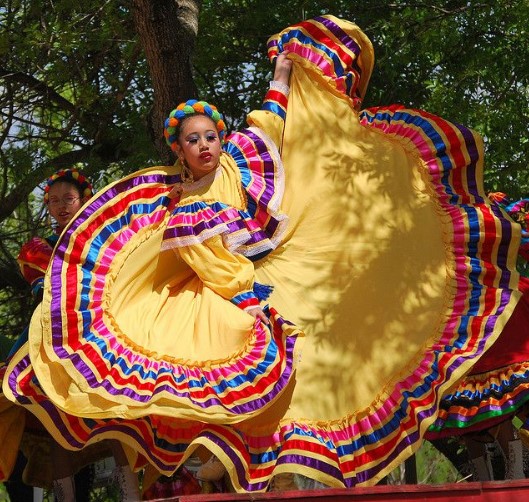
(393, 264)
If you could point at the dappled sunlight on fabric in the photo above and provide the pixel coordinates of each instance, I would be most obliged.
(366, 278)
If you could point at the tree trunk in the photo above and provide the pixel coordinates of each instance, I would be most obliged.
(167, 30)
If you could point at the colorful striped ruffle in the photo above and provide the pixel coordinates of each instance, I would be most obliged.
(344, 58)
(497, 387)
(519, 212)
(85, 336)
(253, 232)
(481, 401)
(161, 440)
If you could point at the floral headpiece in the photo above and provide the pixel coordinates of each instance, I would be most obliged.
(519, 212)
(73, 176)
(498, 197)
(188, 109)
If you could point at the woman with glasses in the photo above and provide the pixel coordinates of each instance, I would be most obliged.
(65, 193)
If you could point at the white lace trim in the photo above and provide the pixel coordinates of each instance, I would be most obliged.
(280, 86)
(192, 240)
(206, 180)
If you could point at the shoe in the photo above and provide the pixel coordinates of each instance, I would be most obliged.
(212, 470)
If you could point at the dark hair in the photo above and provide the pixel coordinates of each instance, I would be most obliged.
(191, 108)
(72, 176)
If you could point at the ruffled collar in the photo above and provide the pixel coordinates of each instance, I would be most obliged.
(206, 180)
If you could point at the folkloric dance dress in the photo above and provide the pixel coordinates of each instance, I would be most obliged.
(497, 386)
(33, 259)
(386, 259)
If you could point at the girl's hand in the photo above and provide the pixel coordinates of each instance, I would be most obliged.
(258, 313)
(283, 68)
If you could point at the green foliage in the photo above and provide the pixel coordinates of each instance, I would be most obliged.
(3, 493)
(433, 467)
(454, 58)
(77, 80)
(75, 91)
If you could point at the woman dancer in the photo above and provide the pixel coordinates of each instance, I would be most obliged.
(389, 263)
(65, 192)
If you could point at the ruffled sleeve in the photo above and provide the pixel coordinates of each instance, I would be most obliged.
(271, 118)
(33, 261)
(230, 275)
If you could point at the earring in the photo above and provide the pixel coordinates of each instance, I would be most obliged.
(50, 222)
(185, 172)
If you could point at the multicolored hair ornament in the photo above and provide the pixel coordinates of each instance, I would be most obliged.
(519, 212)
(72, 175)
(188, 109)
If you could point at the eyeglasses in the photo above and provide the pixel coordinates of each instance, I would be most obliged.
(67, 201)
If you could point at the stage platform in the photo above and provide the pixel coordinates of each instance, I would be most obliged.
(493, 491)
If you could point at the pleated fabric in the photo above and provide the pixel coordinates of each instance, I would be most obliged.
(394, 263)
(497, 387)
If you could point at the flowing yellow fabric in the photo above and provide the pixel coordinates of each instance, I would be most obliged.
(12, 422)
(394, 264)
(363, 267)
(171, 306)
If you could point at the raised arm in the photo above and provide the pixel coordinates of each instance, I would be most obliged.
(271, 118)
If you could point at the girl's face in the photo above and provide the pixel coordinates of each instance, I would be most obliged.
(64, 200)
(199, 143)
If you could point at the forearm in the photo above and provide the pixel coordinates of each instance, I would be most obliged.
(229, 275)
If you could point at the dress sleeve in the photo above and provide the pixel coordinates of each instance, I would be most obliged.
(271, 118)
(33, 261)
(230, 275)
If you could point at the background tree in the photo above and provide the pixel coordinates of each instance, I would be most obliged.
(88, 83)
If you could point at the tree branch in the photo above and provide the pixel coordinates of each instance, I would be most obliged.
(9, 203)
(37, 86)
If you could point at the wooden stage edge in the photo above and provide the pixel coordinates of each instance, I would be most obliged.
(492, 491)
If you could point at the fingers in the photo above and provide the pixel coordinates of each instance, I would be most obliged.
(176, 191)
(263, 317)
(282, 69)
(283, 60)
(257, 312)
